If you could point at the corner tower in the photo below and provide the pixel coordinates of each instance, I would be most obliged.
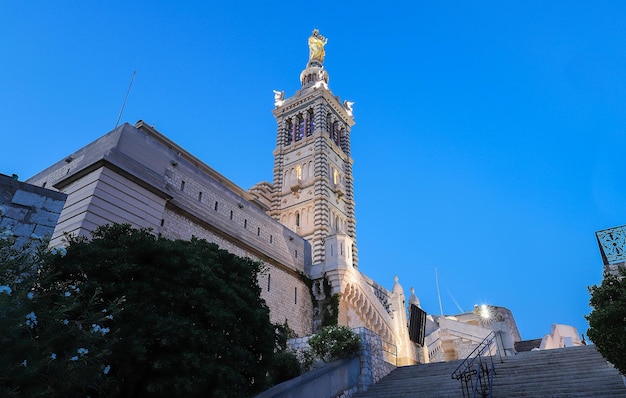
(313, 180)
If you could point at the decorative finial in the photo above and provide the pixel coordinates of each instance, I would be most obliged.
(316, 47)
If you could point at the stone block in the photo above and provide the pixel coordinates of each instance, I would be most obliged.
(7, 223)
(23, 229)
(16, 213)
(44, 217)
(28, 199)
(44, 231)
(53, 205)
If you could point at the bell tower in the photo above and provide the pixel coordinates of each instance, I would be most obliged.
(313, 183)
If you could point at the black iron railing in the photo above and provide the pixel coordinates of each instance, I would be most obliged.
(476, 372)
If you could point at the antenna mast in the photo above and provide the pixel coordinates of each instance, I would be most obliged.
(125, 98)
(438, 293)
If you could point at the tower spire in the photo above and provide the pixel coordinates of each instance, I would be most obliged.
(313, 181)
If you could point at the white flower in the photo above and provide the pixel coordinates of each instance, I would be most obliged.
(109, 317)
(106, 369)
(74, 358)
(31, 319)
(30, 295)
(53, 356)
(5, 289)
(97, 328)
(66, 322)
(24, 363)
(83, 351)
(67, 294)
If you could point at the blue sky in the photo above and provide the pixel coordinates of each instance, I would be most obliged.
(489, 137)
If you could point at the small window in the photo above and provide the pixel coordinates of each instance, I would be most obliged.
(299, 172)
(296, 254)
(245, 223)
(295, 295)
(297, 219)
(231, 214)
(199, 196)
(44, 184)
(258, 231)
(182, 185)
(268, 281)
(162, 222)
(215, 206)
(271, 238)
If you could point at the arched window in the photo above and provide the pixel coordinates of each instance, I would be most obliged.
(336, 177)
(329, 124)
(289, 128)
(300, 127)
(335, 133)
(297, 219)
(310, 126)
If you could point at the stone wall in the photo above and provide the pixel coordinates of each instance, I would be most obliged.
(137, 176)
(28, 211)
(375, 360)
(282, 289)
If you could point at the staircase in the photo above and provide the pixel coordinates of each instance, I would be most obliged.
(560, 373)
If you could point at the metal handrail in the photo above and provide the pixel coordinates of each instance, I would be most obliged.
(466, 369)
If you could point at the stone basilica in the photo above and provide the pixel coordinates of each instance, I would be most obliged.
(302, 226)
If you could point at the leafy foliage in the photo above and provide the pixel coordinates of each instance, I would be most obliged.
(56, 337)
(607, 321)
(182, 319)
(335, 342)
(285, 364)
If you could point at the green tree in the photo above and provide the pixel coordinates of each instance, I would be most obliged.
(49, 344)
(159, 318)
(607, 320)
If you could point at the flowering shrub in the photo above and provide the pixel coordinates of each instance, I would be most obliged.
(335, 342)
(47, 346)
(128, 314)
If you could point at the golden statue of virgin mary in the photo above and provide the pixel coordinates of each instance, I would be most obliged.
(316, 46)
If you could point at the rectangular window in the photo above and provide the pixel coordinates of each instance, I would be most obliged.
(245, 223)
(270, 238)
(215, 206)
(295, 295)
(268, 281)
(182, 185)
(162, 222)
(296, 254)
(199, 196)
(231, 214)
(258, 231)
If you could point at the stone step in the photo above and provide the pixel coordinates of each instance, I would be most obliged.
(569, 372)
